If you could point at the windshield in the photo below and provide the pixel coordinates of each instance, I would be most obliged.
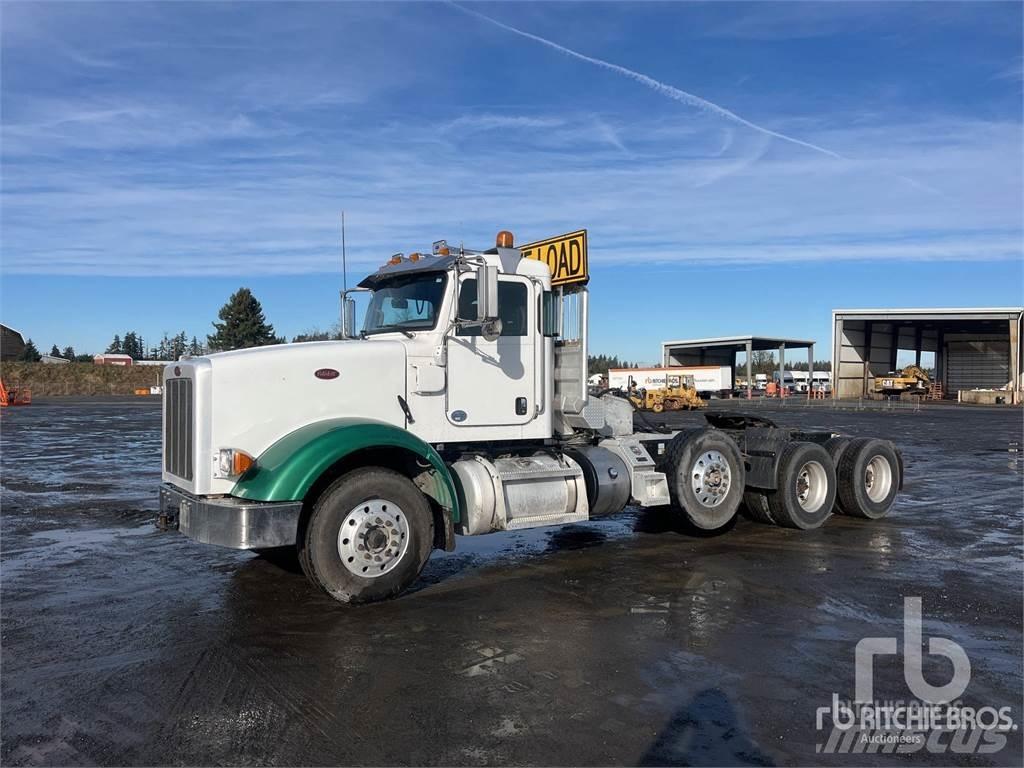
(409, 303)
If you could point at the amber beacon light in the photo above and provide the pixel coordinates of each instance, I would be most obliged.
(505, 239)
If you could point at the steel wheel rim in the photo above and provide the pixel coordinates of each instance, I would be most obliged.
(811, 486)
(711, 478)
(373, 538)
(878, 478)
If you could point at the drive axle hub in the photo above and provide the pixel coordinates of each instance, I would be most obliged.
(711, 478)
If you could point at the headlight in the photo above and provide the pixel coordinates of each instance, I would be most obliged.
(232, 462)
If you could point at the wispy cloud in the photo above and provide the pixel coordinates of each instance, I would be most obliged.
(490, 122)
(240, 165)
(664, 89)
(201, 215)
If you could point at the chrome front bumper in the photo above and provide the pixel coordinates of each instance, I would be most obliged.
(230, 522)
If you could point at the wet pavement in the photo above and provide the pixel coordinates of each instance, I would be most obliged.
(622, 641)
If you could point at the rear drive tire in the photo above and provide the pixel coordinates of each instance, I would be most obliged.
(368, 536)
(706, 476)
(870, 476)
(836, 446)
(755, 507)
(806, 487)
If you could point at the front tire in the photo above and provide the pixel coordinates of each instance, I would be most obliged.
(368, 536)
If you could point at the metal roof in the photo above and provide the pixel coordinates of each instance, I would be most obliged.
(934, 313)
(757, 342)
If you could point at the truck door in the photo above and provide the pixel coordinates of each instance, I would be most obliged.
(491, 383)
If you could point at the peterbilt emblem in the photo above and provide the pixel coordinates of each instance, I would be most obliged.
(458, 415)
(326, 373)
(177, 370)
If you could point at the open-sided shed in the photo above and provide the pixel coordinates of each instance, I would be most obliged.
(976, 348)
(723, 351)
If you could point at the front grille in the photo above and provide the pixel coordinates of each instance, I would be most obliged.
(178, 427)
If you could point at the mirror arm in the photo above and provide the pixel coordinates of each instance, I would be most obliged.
(347, 316)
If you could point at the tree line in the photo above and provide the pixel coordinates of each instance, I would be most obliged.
(601, 363)
(241, 323)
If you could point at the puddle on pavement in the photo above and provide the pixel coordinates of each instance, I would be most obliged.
(61, 546)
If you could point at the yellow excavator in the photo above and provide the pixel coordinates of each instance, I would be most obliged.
(911, 379)
(669, 398)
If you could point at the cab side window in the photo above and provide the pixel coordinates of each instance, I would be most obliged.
(512, 308)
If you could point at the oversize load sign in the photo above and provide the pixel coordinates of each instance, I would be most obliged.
(565, 255)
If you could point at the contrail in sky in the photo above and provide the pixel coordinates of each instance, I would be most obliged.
(665, 90)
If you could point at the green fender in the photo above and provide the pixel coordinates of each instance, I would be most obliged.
(287, 469)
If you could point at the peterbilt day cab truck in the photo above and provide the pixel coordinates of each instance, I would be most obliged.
(462, 408)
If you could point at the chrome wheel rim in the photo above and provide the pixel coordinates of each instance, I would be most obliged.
(711, 478)
(878, 478)
(811, 486)
(373, 538)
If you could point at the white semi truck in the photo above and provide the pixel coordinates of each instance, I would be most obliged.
(461, 408)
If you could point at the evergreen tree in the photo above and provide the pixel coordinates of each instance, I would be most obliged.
(243, 324)
(132, 346)
(54, 352)
(69, 353)
(178, 346)
(115, 346)
(194, 348)
(29, 354)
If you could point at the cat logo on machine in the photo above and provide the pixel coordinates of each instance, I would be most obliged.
(565, 255)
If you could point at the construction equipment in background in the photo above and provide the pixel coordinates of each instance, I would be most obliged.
(683, 396)
(912, 380)
(14, 395)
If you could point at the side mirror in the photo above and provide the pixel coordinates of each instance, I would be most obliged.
(486, 293)
(348, 318)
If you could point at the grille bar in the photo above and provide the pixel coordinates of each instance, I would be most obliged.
(178, 427)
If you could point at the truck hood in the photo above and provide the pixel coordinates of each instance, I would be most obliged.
(250, 398)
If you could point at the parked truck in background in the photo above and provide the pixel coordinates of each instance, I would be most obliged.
(708, 380)
(462, 408)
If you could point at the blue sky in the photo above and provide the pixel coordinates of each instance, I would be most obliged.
(156, 157)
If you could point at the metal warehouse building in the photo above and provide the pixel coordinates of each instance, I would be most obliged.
(973, 348)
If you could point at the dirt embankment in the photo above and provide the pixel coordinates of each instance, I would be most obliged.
(79, 378)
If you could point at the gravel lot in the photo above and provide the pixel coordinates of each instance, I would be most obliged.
(624, 641)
